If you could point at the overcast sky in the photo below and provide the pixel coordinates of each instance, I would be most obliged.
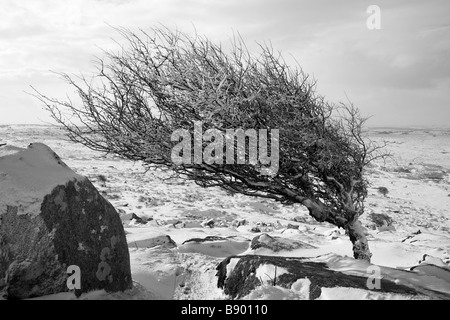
(399, 74)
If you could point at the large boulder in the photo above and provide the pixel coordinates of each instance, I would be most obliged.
(52, 218)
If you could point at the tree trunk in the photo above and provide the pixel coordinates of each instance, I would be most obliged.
(358, 238)
(354, 228)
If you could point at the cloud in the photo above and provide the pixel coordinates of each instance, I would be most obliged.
(404, 62)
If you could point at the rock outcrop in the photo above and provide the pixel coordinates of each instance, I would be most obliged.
(276, 244)
(238, 276)
(52, 218)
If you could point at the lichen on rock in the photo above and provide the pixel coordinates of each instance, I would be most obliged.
(39, 241)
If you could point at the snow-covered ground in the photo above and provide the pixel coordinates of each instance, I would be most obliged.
(165, 265)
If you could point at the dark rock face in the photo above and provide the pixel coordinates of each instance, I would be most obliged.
(242, 279)
(28, 263)
(75, 226)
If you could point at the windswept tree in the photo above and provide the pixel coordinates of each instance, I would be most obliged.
(164, 81)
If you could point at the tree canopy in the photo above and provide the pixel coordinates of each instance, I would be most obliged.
(162, 81)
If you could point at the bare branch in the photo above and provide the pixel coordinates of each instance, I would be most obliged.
(164, 80)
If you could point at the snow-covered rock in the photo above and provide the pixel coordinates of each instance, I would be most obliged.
(129, 217)
(52, 218)
(381, 219)
(214, 246)
(428, 259)
(150, 240)
(239, 222)
(433, 266)
(275, 244)
(325, 277)
(253, 272)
